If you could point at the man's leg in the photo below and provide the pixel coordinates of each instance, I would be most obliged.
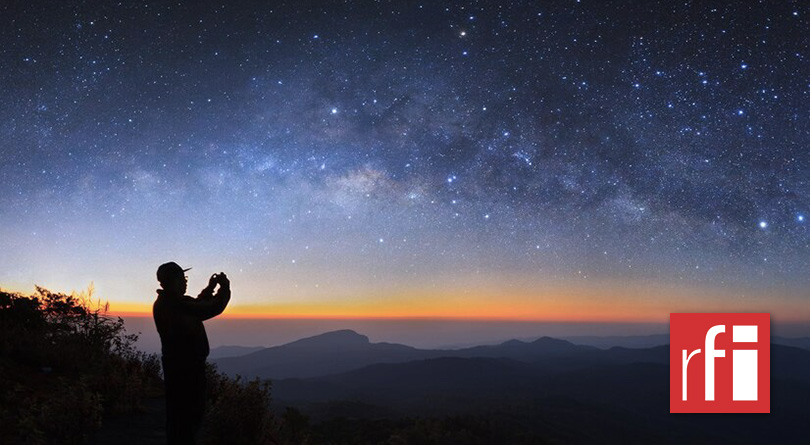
(182, 394)
(198, 398)
(172, 379)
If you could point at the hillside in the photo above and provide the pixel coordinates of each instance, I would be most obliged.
(623, 394)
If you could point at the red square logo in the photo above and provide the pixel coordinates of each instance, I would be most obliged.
(719, 363)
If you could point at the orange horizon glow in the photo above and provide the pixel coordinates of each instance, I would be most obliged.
(610, 302)
(515, 308)
(558, 314)
(436, 317)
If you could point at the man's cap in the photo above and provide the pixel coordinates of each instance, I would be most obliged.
(170, 270)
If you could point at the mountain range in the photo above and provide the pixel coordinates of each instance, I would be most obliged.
(344, 350)
(550, 387)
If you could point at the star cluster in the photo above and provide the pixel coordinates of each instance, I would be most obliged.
(379, 148)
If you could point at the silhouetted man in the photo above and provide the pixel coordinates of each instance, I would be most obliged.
(179, 321)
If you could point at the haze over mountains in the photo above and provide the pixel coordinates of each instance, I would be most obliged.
(551, 387)
(232, 351)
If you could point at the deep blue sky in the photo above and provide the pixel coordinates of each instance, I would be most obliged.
(376, 157)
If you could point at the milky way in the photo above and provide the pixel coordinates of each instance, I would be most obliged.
(374, 148)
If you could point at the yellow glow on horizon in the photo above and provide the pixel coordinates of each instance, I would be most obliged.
(521, 300)
(608, 303)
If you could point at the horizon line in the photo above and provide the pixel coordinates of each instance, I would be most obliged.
(457, 318)
(271, 316)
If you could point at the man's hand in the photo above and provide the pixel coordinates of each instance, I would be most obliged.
(223, 280)
(212, 282)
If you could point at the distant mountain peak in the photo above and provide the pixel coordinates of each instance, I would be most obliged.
(542, 343)
(513, 342)
(340, 337)
(552, 341)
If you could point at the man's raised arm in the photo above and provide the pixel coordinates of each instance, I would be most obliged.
(208, 304)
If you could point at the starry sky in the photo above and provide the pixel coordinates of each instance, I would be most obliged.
(564, 160)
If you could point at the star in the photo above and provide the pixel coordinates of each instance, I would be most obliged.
(252, 129)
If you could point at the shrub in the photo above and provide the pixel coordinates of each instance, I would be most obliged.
(72, 414)
(64, 362)
(238, 410)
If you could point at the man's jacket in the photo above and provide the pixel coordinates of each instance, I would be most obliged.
(179, 321)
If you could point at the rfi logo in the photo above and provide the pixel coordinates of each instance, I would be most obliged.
(719, 363)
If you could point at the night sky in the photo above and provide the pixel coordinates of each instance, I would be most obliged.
(547, 160)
